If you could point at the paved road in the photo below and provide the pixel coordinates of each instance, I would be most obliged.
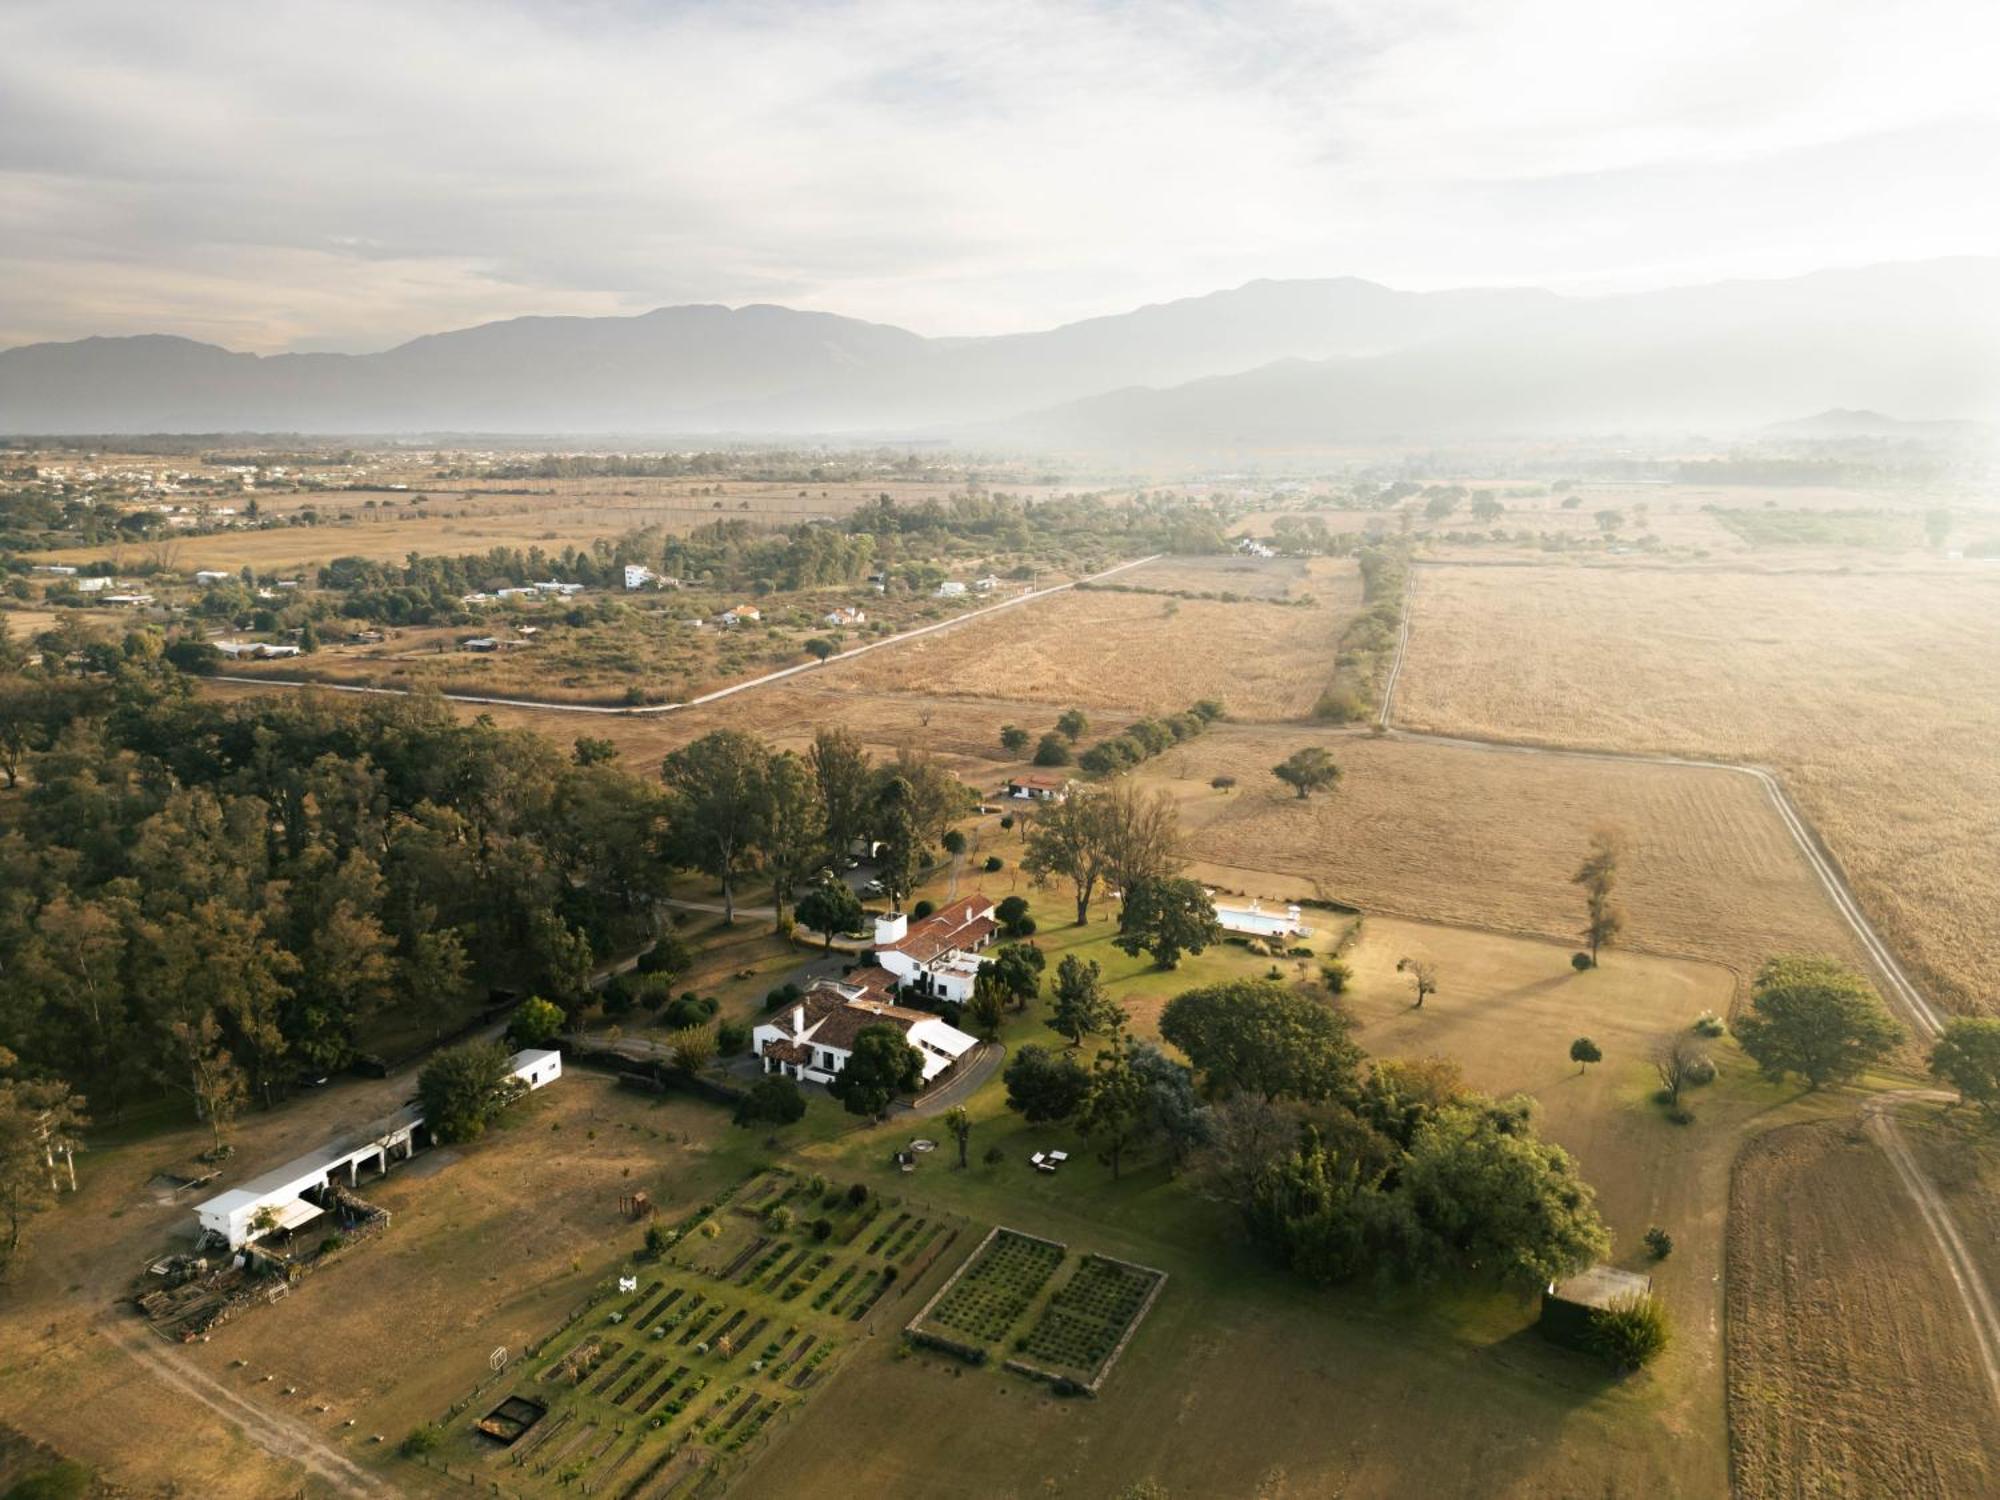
(642, 711)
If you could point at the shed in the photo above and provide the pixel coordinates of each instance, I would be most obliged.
(1567, 1306)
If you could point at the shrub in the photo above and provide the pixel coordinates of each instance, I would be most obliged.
(780, 1219)
(1700, 1070)
(921, 910)
(710, 1230)
(64, 1480)
(1630, 1333)
(772, 1100)
(822, 1229)
(332, 1243)
(659, 1240)
(1023, 928)
(688, 1011)
(1222, 783)
(994, 1156)
(617, 1000)
(1010, 911)
(422, 1439)
(537, 1022)
(1659, 1242)
(994, 863)
(1581, 961)
(669, 956)
(732, 1038)
(1707, 1024)
(1052, 751)
(816, 1185)
(1340, 704)
(783, 995)
(1335, 974)
(858, 1194)
(1680, 1114)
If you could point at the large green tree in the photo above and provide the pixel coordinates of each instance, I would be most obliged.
(1967, 1057)
(1078, 1004)
(1045, 1087)
(829, 906)
(1307, 770)
(846, 782)
(1166, 918)
(1068, 840)
(1257, 1036)
(790, 827)
(463, 1088)
(717, 787)
(882, 1067)
(1815, 1017)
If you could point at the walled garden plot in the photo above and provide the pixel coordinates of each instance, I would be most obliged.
(660, 1384)
(1072, 1339)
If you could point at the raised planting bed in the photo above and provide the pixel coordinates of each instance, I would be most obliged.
(980, 1304)
(1088, 1322)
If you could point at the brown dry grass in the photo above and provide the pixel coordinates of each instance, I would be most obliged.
(1127, 651)
(1490, 839)
(1877, 696)
(1851, 1367)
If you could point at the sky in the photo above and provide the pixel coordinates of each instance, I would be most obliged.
(345, 175)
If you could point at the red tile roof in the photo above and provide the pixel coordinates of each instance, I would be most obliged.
(963, 924)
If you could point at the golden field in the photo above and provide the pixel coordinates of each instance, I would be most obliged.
(1875, 695)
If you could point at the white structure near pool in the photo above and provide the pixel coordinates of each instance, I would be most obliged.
(1254, 921)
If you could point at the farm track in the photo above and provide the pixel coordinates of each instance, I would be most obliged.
(654, 709)
(1878, 1113)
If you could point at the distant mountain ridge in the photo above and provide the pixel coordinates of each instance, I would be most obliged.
(1267, 363)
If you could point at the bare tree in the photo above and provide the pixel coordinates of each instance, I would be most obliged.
(1598, 875)
(1423, 973)
(1677, 1059)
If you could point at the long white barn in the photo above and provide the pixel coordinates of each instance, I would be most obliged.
(287, 1190)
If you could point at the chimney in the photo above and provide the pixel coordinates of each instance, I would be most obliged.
(798, 1019)
(891, 930)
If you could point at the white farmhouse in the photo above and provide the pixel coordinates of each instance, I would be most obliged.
(212, 575)
(939, 955)
(94, 585)
(813, 1038)
(951, 588)
(845, 615)
(638, 575)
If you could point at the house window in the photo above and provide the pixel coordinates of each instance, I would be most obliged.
(827, 1063)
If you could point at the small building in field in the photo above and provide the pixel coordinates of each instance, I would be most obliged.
(1039, 786)
(256, 650)
(562, 589)
(939, 956)
(846, 615)
(94, 585)
(951, 588)
(129, 601)
(742, 614)
(813, 1038)
(212, 575)
(987, 584)
(1569, 1306)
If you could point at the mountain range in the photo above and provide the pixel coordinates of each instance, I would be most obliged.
(1269, 364)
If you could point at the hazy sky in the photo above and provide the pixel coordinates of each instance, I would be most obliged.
(344, 175)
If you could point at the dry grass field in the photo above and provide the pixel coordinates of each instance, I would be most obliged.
(1135, 652)
(1851, 1364)
(1490, 839)
(1250, 577)
(1877, 696)
(389, 1334)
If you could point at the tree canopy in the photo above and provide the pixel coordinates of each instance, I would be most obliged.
(463, 1088)
(1166, 917)
(1257, 1036)
(1817, 1018)
(1307, 770)
(882, 1067)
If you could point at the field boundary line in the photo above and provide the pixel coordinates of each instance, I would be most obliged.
(1879, 1120)
(648, 709)
(1911, 1000)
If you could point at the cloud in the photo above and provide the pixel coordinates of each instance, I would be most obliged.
(305, 175)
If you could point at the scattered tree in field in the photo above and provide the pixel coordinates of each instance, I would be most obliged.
(829, 907)
(1222, 783)
(593, 750)
(1079, 1007)
(820, 648)
(1115, 1114)
(1678, 1060)
(1307, 771)
(771, 1100)
(1013, 738)
(1423, 974)
(1659, 1243)
(1631, 1333)
(669, 956)
(1817, 1018)
(1256, 1036)
(1141, 834)
(536, 1023)
(1067, 840)
(693, 1047)
(1598, 875)
(1967, 1057)
(1166, 918)
(463, 1088)
(954, 846)
(1045, 1087)
(1583, 1052)
(883, 1065)
(1010, 913)
(959, 1122)
(717, 789)
(1017, 968)
(1053, 750)
(1072, 725)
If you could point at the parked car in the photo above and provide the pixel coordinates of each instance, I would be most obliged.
(874, 888)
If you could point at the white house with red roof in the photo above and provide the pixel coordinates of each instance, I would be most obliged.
(813, 1038)
(938, 956)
